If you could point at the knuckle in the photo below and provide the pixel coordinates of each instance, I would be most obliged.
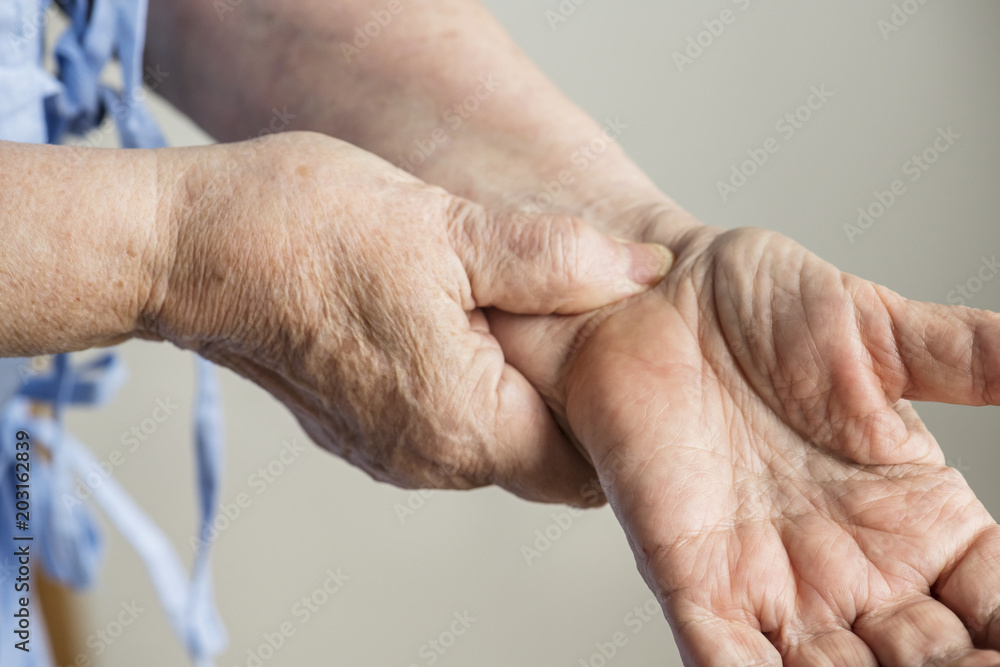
(445, 444)
(564, 253)
(466, 223)
(450, 458)
(421, 420)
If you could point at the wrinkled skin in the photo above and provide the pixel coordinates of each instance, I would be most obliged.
(351, 291)
(750, 424)
(738, 445)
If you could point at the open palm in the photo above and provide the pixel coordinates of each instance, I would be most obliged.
(750, 426)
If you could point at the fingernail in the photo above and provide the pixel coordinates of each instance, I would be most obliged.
(649, 262)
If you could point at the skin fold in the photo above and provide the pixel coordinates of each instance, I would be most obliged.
(748, 419)
(781, 495)
(352, 291)
(349, 289)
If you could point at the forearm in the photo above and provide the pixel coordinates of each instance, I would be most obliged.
(400, 95)
(80, 246)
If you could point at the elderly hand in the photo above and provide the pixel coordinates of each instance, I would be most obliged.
(750, 425)
(746, 418)
(351, 291)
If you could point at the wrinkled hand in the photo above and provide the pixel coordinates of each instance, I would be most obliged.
(750, 424)
(351, 291)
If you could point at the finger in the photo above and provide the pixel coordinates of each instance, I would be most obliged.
(972, 589)
(539, 346)
(902, 349)
(831, 649)
(534, 459)
(801, 349)
(550, 264)
(530, 456)
(976, 659)
(947, 354)
(919, 438)
(707, 640)
(919, 631)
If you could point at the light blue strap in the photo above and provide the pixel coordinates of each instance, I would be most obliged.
(24, 83)
(13, 372)
(68, 541)
(70, 544)
(11, 590)
(165, 568)
(100, 30)
(95, 382)
(206, 624)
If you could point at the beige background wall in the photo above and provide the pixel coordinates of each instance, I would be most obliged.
(462, 552)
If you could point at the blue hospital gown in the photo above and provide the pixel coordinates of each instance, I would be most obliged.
(62, 538)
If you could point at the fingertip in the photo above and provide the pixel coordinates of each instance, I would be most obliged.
(648, 264)
(888, 437)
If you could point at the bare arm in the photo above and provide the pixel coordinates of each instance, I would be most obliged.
(79, 246)
(231, 70)
(347, 288)
(811, 520)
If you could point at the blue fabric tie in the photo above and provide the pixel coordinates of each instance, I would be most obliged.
(66, 536)
(24, 84)
(36, 107)
(113, 27)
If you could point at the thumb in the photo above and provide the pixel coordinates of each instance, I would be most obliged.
(551, 264)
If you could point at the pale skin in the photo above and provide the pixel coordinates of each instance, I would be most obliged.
(747, 419)
(681, 397)
(347, 288)
(782, 498)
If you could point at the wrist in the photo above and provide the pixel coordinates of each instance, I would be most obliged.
(237, 226)
(190, 187)
(157, 237)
